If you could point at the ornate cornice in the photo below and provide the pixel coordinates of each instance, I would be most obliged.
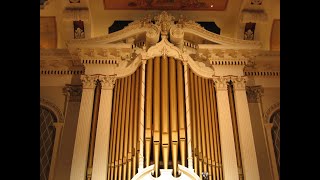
(52, 107)
(262, 73)
(254, 93)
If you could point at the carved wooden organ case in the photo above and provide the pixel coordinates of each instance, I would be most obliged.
(164, 107)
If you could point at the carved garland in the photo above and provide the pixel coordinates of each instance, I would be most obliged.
(53, 108)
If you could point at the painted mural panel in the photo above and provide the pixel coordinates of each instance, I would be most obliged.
(216, 5)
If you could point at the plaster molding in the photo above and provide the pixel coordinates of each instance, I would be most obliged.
(254, 93)
(107, 82)
(53, 108)
(253, 15)
(221, 82)
(267, 115)
(74, 92)
(76, 14)
(239, 82)
(89, 81)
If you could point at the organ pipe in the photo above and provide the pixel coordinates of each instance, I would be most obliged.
(200, 162)
(117, 161)
(219, 164)
(113, 130)
(136, 113)
(193, 122)
(207, 117)
(156, 115)
(181, 112)
(173, 115)
(148, 111)
(164, 112)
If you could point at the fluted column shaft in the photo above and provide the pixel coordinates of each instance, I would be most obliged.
(248, 151)
(101, 151)
(229, 159)
(80, 154)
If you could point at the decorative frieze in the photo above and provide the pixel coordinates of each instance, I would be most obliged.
(254, 93)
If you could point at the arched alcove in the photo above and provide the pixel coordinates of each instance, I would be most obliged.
(47, 137)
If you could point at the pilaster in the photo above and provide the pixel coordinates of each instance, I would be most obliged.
(268, 127)
(229, 159)
(101, 150)
(58, 128)
(80, 154)
(248, 151)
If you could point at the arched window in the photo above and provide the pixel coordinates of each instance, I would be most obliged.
(275, 131)
(47, 137)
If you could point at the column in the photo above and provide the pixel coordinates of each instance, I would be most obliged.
(101, 149)
(229, 159)
(141, 120)
(254, 94)
(247, 148)
(268, 127)
(188, 117)
(80, 153)
(58, 128)
(68, 135)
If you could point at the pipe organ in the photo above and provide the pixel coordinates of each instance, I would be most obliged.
(168, 110)
(205, 127)
(123, 139)
(165, 122)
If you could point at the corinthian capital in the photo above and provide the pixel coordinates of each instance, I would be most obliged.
(254, 93)
(221, 83)
(88, 82)
(239, 83)
(107, 82)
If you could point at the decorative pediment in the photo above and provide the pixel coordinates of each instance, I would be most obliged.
(148, 33)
